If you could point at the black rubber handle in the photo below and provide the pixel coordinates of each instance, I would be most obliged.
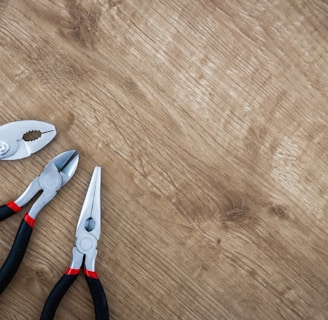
(99, 298)
(55, 296)
(15, 255)
(6, 212)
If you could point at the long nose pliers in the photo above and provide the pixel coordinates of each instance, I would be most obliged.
(84, 253)
(55, 175)
(19, 139)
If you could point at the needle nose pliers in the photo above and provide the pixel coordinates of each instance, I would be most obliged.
(55, 175)
(84, 253)
(15, 142)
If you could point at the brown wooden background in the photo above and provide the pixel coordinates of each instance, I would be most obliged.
(209, 119)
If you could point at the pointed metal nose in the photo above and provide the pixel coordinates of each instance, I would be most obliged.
(90, 216)
(69, 169)
(61, 159)
(65, 163)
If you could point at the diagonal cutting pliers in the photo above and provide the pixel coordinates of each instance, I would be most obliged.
(19, 139)
(84, 253)
(55, 175)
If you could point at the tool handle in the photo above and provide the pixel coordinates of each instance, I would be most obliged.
(56, 295)
(98, 295)
(8, 210)
(17, 252)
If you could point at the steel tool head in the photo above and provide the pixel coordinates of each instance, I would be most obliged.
(88, 226)
(65, 164)
(55, 175)
(15, 143)
(90, 216)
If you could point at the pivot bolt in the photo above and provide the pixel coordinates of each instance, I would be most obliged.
(4, 147)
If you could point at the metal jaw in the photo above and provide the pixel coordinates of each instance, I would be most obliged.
(12, 143)
(55, 175)
(88, 226)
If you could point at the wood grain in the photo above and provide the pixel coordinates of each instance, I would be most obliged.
(209, 119)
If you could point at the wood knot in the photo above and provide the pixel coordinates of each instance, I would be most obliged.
(235, 206)
(83, 23)
(41, 274)
(235, 209)
(278, 210)
(236, 213)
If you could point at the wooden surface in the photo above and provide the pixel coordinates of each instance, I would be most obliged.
(209, 119)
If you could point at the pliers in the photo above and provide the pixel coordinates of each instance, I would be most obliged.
(55, 175)
(84, 253)
(19, 139)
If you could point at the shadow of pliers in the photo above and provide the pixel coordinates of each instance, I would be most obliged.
(19, 139)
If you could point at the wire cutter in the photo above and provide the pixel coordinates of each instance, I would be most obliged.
(19, 139)
(55, 175)
(84, 252)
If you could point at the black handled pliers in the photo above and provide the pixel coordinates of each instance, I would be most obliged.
(84, 253)
(19, 139)
(55, 175)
